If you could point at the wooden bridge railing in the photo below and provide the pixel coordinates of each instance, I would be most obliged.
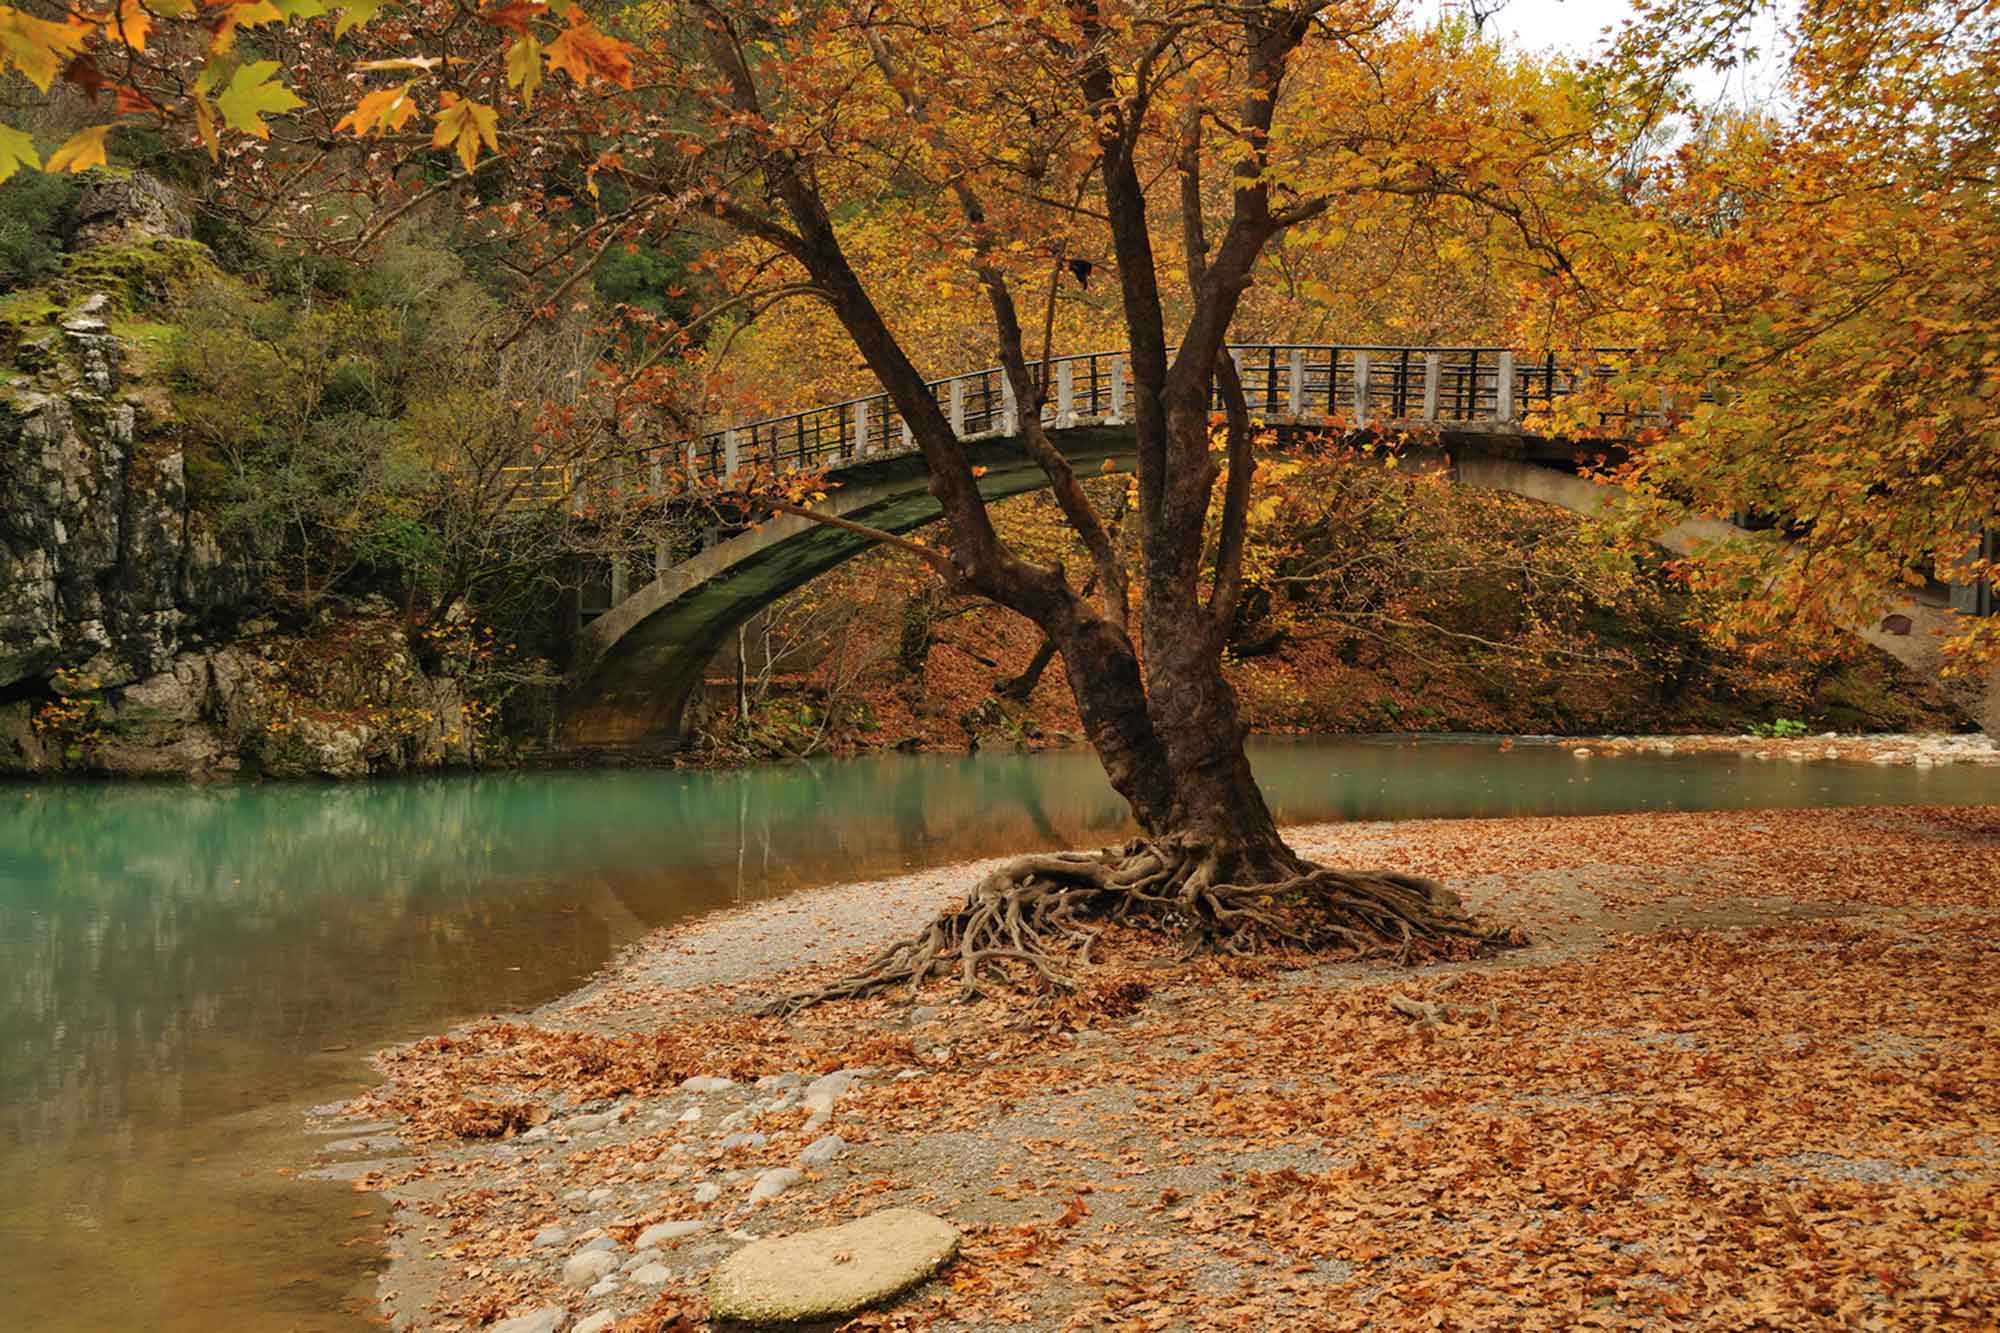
(1316, 383)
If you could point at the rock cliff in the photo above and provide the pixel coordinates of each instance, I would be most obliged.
(122, 650)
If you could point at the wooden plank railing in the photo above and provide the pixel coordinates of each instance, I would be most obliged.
(1304, 383)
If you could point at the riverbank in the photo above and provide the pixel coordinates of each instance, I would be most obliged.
(1891, 749)
(1746, 1070)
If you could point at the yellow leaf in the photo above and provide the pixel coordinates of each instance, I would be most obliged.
(424, 63)
(354, 14)
(254, 14)
(466, 125)
(524, 67)
(204, 125)
(84, 150)
(17, 148)
(37, 47)
(253, 94)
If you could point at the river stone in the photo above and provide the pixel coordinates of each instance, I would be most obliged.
(550, 1236)
(821, 1151)
(545, 1320)
(830, 1085)
(701, 1083)
(653, 1275)
(833, 1271)
(774, 1182)
(660, 1232)
(707, 1192)
(601, 1322)
(583, 1269)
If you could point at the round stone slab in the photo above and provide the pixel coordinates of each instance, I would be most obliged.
(833, 1271)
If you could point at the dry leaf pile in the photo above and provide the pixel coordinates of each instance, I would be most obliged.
(1750, 1078)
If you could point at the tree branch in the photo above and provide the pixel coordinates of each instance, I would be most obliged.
(954, 577)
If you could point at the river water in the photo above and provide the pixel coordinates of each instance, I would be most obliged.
(184, 969)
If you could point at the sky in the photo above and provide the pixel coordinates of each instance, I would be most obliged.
(1576, 27)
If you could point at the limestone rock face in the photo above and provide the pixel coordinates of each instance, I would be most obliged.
(121, 207)
(103, 570)
(833, 1271)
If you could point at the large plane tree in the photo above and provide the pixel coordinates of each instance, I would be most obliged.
(1162, 148)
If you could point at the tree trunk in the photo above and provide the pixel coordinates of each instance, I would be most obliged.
(742, 681)
(1104, 679)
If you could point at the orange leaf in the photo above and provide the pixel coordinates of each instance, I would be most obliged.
(131, 24)
(582, 51)
(514, 16)
(383, 109)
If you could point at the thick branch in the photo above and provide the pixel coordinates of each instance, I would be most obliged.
(930, 555)
(1235, 502)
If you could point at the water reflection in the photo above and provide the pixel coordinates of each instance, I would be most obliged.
(173, 959)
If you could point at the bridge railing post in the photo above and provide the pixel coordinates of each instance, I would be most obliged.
(1010, 410)
(1065, 394)
(730, 454)
(1361, 388)
(1433, 377)
(1117, 417)
(1503, 398)
(1295, 384)
(861, 430)
(958, 408)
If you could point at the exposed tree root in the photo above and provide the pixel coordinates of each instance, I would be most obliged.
(1036, 918)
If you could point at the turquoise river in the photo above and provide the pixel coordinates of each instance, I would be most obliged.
(183, 970)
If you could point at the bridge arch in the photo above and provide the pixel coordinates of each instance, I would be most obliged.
(637, 665)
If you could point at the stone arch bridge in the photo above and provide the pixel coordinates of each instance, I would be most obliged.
(639, 658)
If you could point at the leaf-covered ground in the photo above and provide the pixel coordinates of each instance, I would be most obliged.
(1748, 1077)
